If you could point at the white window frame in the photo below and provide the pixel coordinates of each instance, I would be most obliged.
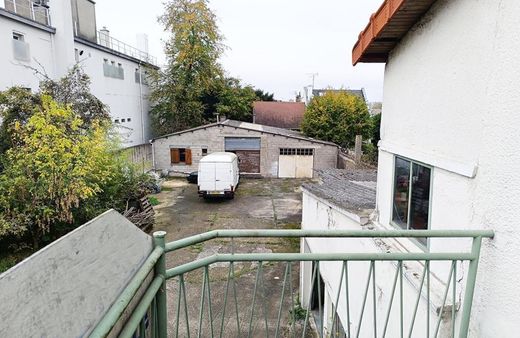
(394, 224)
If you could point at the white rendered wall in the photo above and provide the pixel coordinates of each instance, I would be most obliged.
(15, 72)
(319, 214)
(126, 98)
(451, 97)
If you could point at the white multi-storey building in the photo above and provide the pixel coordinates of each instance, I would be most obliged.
(52, 36)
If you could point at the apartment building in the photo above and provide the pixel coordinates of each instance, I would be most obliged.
(47, 38)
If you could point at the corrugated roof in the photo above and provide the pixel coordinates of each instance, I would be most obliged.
(353, 190)
(387, 27)
(253, 127)
(279, 114)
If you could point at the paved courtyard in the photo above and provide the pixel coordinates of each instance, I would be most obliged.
(258, 204)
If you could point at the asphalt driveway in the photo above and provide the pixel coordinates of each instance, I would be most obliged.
(258, 204)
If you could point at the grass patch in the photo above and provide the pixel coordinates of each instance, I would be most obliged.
(154, 200)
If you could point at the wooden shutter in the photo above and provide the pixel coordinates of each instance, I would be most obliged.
(174, 155)
(188, 156)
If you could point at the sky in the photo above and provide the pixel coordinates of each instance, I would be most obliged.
(273, 45)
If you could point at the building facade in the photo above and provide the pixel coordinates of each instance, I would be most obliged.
(448, 155)
(47, 38)
(263, 151)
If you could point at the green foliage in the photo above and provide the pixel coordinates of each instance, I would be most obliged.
(19, 104)
(337, 117)
(154, 200)
(235, 101)
(263, 96)
(297, 311)
(55, 165)
(375, 132)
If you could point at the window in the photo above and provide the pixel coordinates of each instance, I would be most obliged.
(123, 120)
(128, 120)
(180, 155)
(411, 200)
(112, 70)
(116, 121)
(204, 151)
(297, 151)
(18, 36)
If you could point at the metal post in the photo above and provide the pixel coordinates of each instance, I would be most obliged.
(470, 287)
(160, 269)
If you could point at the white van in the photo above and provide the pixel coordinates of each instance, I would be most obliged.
(218, 175)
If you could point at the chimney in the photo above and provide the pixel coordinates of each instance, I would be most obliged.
(142, 42)
(104, 37)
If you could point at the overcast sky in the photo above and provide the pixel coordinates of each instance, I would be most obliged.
(273, 45)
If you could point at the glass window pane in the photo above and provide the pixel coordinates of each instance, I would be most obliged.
(420, 201)
(401, 192)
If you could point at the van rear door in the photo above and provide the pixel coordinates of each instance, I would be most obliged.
(223, 176)
(206, 179)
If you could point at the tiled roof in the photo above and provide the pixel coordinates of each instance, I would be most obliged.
(279, 114)
(353, 190)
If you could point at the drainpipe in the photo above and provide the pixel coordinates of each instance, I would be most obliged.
(141, 101)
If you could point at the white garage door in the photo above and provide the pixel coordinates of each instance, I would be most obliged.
(295, 162)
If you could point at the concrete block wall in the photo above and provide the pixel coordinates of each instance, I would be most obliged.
(212, 138)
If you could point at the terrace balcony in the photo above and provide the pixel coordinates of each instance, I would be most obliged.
(36, 11)
(243, 294)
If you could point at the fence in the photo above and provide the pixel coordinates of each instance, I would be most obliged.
(150, 318)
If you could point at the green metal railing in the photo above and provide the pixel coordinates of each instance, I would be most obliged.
(150, 317)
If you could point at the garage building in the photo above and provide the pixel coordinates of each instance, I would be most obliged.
(263, 151)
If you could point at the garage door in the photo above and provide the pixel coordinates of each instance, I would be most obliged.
(295, 162)
(248, 152)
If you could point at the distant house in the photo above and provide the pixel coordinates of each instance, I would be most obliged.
(263, 151)
(448, 160)
(288, 115)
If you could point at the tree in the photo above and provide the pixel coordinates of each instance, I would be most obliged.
(55, 166)
(263, 96)
(18, 104)
(192, 54)
(235, 101)
(337, 117)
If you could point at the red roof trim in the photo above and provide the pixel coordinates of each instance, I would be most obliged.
(386, 28)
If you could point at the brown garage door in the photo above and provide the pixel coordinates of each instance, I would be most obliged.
(248, 152)
(248, 161)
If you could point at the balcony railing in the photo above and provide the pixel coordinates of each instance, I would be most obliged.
(104, 39)
(29, 9)
(218, 314)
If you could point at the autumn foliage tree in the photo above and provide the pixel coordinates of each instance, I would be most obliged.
(337, 117)
(54, 166)
(192, 53)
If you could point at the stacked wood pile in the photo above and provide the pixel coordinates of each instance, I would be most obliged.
(144, 217)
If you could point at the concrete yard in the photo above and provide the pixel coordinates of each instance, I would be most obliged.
(258, 204)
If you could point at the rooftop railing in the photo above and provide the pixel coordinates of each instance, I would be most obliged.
(104, 39)
(271, 313)
(29, 9)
